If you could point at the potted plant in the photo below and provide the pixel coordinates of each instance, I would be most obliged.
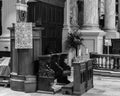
(74, 40)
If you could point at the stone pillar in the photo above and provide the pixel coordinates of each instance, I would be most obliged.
(66, 28)
(66, 24)
(93, 36)
(73, 14)
(119, 15)
(90, 14)
(110, 13)
(70, 19)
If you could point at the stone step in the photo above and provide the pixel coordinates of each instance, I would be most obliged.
(106, 73)
(68, 89)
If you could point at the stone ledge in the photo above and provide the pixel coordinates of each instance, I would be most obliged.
(106, 73)
(92, 32)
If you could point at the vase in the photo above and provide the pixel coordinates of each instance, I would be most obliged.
(71, 56)
(78, 51)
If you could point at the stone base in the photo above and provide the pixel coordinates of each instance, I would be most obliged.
(30, 84)
(93, 39)
(17, 82)
(112, 34)
(23, 83)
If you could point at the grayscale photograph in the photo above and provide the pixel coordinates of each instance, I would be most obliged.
(59, 47)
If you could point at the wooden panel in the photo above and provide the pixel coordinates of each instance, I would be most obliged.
(51, 18)
(115, 46)
(25, 65)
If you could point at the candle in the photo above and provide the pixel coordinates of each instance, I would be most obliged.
(87, 51)
(79, 52)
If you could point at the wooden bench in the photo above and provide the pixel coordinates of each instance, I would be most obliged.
(46, 74)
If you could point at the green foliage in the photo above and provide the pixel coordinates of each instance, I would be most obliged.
(73, 40)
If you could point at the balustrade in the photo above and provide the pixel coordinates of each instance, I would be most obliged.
(106, 61)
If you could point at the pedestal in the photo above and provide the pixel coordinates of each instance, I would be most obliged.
(93, 40)
(112, 34)
(17, 82)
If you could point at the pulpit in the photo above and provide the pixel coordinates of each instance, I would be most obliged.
(22, 66)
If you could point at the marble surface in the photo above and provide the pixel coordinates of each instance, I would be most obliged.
(110, 14)
(90, 12)
(103, 86)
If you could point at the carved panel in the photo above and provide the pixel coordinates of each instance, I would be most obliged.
(23, 35)
(73, 12)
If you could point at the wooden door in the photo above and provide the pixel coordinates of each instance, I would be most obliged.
(51, 18)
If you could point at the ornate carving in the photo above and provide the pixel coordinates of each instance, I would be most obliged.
(23, 36)
(21, 7)
(73, 13)
(45, 73)
(44, 70)
(22, 16)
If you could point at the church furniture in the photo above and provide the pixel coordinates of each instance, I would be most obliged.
(45, 74)
(22, 59)
(83, 76)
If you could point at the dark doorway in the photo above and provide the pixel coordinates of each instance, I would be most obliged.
(50, 17)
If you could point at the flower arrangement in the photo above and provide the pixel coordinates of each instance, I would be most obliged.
(74, 40)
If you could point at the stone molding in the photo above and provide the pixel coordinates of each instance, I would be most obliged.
(93, 32)
(54, 2)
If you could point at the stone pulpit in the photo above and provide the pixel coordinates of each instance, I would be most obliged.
(22, 73)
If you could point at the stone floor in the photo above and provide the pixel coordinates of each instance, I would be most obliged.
(103, 86)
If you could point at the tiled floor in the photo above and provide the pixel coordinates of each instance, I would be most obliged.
(103, 86)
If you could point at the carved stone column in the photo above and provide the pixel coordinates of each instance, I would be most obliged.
(73, 14)
(66, 27)
(70, 19)
(90, 14)
(110, 13)
(119, 15)
(93, 36)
